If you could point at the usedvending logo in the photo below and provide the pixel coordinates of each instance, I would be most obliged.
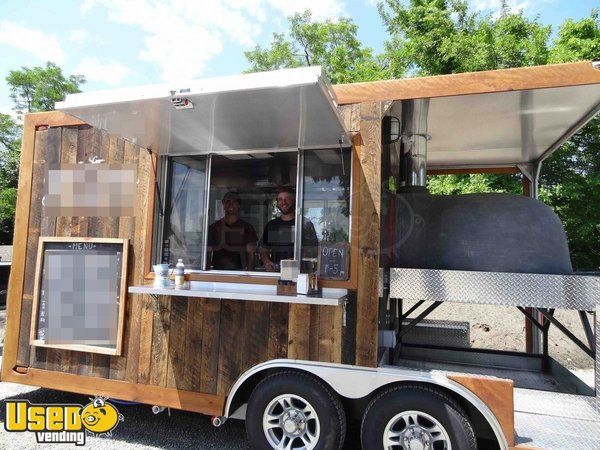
(62, 422)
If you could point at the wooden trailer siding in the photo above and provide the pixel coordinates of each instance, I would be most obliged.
(368, 148)
(186, 345)
(539, 77)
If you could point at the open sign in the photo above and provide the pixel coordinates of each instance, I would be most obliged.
(334, 260)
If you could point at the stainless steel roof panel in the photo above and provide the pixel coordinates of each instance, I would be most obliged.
(506, 128)
(290, 108)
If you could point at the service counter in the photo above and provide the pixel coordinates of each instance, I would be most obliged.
(242, 291)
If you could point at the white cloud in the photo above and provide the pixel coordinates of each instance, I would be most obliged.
(79, 36)
(42, 45)
(514, 5)
(181, 37)
(109, 72)
(321, 9)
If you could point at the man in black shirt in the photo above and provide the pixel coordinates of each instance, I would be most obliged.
(231, 240)
(278, 238)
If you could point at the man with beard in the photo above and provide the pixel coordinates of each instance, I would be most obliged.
(231, 240)
(278, 238)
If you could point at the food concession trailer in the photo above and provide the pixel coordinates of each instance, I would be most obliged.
(239, 343)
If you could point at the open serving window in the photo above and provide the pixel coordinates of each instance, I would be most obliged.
(237, 155)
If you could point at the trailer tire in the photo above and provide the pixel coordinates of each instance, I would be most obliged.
(403, 414)
(295, 406)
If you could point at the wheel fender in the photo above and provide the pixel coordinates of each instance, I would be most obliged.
(356, 382)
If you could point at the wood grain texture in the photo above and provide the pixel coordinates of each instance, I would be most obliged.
(133, 306)
(278, 330)
(116, 155)
(152, 395)
(255, 337)
(160, 340)
(177, 376)
(350, 115)
(17, 273)
(298, 337)
(193, 345)
(368, 146)
(539, 77)
(35, 221)
(48, 223)
(142, 354)
(230, 351)
(211, 315)
(497, 394)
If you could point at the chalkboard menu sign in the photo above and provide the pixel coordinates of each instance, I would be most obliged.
(79, 295)
(334, 260)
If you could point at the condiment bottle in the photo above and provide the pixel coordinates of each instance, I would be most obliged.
(179, 274)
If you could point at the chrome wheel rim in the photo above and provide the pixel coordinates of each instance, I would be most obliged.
(415, 430)
(291, 423)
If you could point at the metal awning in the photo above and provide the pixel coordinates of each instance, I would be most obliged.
(283, 109)
(513, 128)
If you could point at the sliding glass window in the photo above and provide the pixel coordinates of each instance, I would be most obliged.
(237, 212)
(183, 235)
(326, 201)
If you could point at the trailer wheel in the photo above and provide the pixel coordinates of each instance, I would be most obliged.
(416, 417)
(293, 410)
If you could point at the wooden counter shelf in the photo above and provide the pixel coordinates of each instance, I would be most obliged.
(250, 292)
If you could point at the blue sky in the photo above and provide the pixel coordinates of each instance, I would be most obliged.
(118, 43)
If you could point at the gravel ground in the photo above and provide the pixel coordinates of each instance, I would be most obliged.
(140, 429)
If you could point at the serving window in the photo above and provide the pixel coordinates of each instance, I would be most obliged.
(236, 213)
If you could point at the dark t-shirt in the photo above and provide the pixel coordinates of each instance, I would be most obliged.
(279, 237)
(228, 244)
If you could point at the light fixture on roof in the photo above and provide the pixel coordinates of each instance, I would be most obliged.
(182, 103)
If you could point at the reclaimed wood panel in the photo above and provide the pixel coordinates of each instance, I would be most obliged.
(35, 219)
(506, 80)
(278, 330)
(368, 147)
(160, 340)
(313, 333)
(140, 354)
(210, 345)
(230, 351)
(298, 336)
(255, 336)
(193, 346)
(177, 374)
(116, 154)
(51, 155)
(498, 395)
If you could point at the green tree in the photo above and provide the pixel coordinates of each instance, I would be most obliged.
(39, 88)
(332, 45)
(31, 89)
(10, 144)
(438, 37)
(570, 178)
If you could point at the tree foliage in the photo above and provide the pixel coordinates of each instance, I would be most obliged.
(332, 45)
(437, 37)
(31, 90)
(39, 88)
(570, 179)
